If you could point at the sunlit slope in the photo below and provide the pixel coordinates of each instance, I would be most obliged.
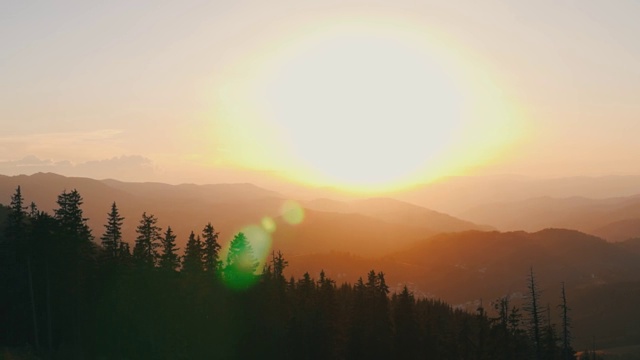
(369, 227)
(218, 193)
(610, 217)
(460, 267)
(455, 195)
(620, 230)
(397, 212)
(469, 267)
(348, 232)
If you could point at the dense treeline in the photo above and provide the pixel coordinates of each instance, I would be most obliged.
(68, 297)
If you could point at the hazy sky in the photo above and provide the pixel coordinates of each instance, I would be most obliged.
(323, 92)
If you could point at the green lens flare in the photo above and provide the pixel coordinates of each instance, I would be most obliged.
(247, 254)
(268, 224)
(292, 212)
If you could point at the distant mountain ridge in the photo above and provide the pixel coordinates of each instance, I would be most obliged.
(472, 268)
(614, 219)
(369, 227)
(435, 254)
(490, 264)
(396, 211)
(458, 194)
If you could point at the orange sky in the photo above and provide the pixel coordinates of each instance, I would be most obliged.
(354, 94)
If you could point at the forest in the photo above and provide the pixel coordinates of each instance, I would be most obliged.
(70, 295)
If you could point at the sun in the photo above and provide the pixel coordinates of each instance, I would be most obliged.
(366, 108)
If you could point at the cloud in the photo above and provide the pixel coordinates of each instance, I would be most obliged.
(77, 145)
(128, 167)
(123, 167)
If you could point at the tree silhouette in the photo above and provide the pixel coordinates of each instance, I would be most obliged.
(406, 339)
(210, 249)
(147, 242)
(112, 237)
(567, 351)
(16, 234)
(169, 260)
(192, 259)
(70, 217)
(16, 226)
(241, 264)
(55, 293)
(534, 314)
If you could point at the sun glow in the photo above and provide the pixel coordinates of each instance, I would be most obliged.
(366, 107)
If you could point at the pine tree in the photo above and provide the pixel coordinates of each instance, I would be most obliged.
(33, 210)
(148, 241)
(407, 331)
(76, 260)
(70, 217)
(211, 249)
(279, 264)
(169, 260)
(378, 317)
(16, 227)
(192, 259)
(112, 237)
(124, 253)
(16, 232)
(567, 351)
(549, 337)
(241, 263)
(534, 312)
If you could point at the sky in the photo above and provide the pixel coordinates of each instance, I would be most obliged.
(352, 94)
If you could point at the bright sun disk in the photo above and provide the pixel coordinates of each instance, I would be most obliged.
(366, 107)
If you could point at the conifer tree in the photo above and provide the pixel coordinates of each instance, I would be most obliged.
(210, 249)
(148, 241)
(406, 338)
(124, 253)
(169, 260)
(534, 312)
(75, 263)
(241, 263)
(192, 259)
(16, 227)
(70, 217)
(112, 237)
(378, 330)
(567, 351)
(33, 210)
(16, 233)
(549, 337)
(279, 264)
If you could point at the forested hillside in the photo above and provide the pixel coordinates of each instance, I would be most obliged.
(70, 295)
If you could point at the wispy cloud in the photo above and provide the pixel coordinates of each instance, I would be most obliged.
(68, 145)
(129, 167)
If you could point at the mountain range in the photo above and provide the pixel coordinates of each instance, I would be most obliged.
(371, 227)
(614, 219)
(590, 244)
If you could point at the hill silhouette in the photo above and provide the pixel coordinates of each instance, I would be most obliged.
(469, 267)
(491, 264)
(369, 227)
(434, 254)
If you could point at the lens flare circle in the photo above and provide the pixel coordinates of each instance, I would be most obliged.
(268, 224)
(259, 246)
(292, 212)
